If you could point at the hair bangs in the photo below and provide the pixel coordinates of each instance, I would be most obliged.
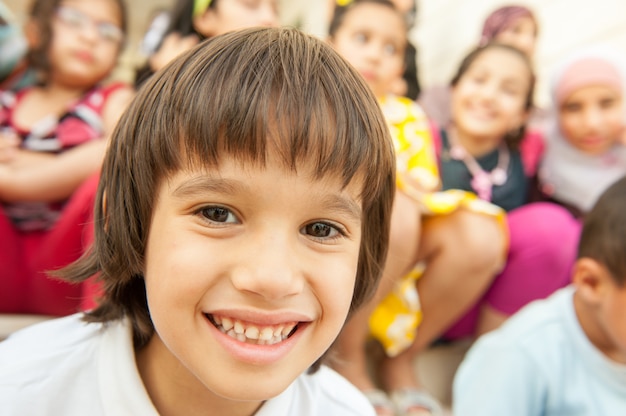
(254, 100)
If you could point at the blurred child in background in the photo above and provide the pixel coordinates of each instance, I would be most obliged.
(452, 244)
(14, 73)
(585, 150)
(513, 25)
(565, 354)
(53, 140)
(192, 21)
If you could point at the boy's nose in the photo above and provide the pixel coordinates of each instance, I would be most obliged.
(269, 268)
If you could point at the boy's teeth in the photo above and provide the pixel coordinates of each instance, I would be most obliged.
(227, 323)
(253, 334)
(266, 334)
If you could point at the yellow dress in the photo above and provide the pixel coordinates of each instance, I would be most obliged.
(395, 320)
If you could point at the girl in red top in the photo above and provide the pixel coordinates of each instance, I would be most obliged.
(51, 147)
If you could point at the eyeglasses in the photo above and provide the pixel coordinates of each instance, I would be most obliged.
(75, 19)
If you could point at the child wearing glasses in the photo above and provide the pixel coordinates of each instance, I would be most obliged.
(52, 142)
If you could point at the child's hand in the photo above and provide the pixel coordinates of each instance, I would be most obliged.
(172, 46)
(9, 146)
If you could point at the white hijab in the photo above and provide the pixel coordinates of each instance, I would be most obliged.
(566, 173)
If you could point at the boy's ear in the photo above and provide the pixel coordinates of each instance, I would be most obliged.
(591, 280)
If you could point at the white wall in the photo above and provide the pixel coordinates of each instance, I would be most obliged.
(447, 29)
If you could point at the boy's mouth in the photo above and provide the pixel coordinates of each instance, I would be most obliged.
(251, 333)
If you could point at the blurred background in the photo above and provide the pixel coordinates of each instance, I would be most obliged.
(444, 30)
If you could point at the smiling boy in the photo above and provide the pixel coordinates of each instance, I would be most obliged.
(236, 229)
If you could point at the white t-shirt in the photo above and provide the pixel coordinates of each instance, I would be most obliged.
(68, 367)
(539, 363)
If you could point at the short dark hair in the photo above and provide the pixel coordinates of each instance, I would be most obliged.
(41, 14)
(603, 237)
(221, 98)
(513, 139)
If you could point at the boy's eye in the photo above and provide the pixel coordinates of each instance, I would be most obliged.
(321, 230)
(218, 214)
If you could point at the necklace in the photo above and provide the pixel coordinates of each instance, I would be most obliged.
(482, 181)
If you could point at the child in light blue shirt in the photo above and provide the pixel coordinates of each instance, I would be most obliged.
(565, 355)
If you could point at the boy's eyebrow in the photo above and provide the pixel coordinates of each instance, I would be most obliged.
(200, 184)
(343, 204)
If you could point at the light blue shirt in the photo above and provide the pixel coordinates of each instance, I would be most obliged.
(539, 363)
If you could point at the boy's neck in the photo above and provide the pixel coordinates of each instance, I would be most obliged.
(173, 390)
(588, 319)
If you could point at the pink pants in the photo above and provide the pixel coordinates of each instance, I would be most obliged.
(543, 245)
(26, 256)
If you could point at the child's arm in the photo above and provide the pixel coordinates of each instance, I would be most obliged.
(498, 378)
(33, 176)
(54, 178)
(417, 172)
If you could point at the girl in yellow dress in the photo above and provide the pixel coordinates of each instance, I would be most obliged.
(447, 246)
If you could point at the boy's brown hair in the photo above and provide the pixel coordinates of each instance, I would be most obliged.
(221, 99)
(603, 237)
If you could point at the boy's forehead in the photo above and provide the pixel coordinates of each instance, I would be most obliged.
(232, 172)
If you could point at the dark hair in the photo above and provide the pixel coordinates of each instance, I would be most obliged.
(221, 98)
(181, 22)
(181, 18)
(512, 138)
(341, 12)
(41, 14)
(603, 237)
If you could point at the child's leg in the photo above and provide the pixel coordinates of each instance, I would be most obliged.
(13, 284)
(63, 244)
(464, 251)
(543, 242)
(404, 238)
